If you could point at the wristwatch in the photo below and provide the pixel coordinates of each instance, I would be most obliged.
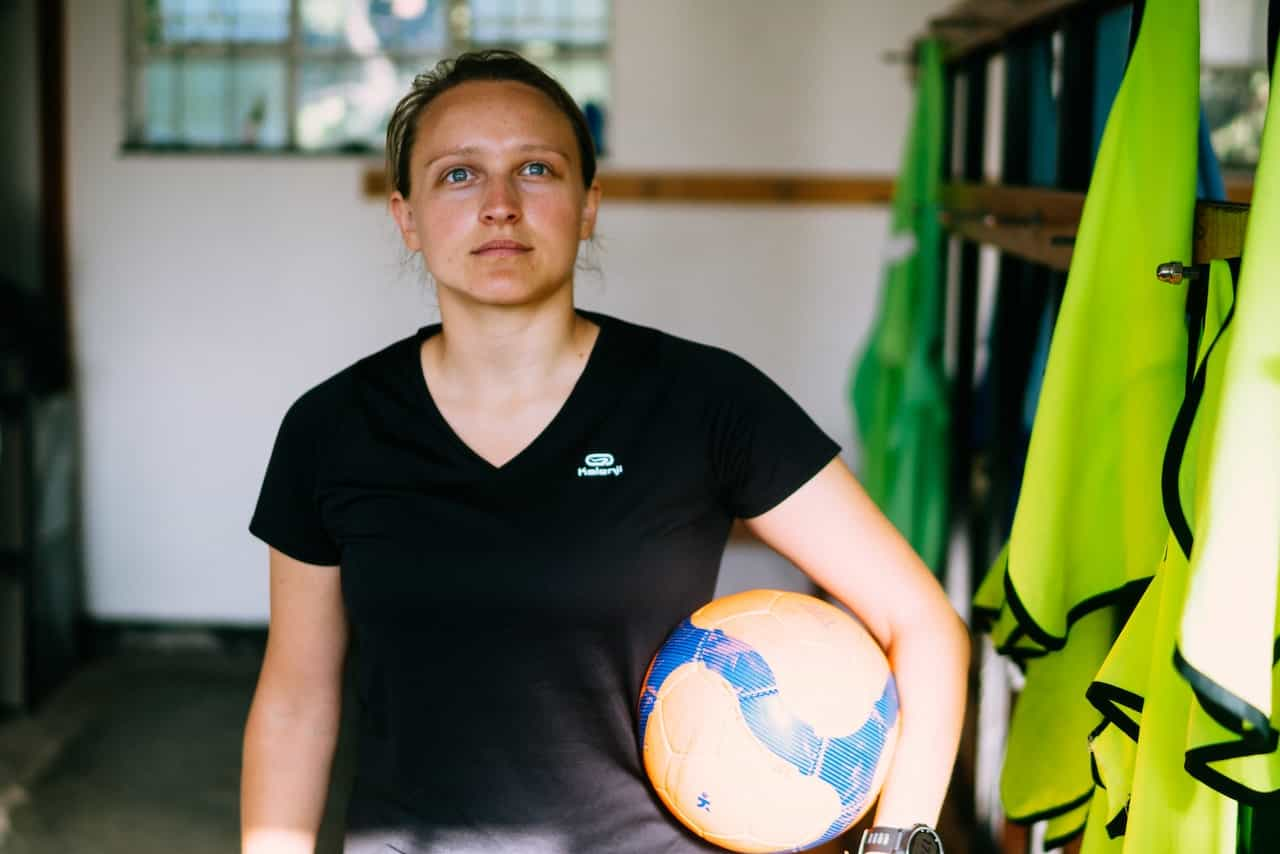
(917, 839)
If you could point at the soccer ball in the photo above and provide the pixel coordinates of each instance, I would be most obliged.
(768, 720)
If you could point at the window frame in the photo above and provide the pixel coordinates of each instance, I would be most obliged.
(296, 57)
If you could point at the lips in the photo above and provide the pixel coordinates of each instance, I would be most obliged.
(501, 247)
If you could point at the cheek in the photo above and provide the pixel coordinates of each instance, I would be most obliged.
(441, 231)
(564, 215)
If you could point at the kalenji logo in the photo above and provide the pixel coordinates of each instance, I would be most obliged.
(599, 465)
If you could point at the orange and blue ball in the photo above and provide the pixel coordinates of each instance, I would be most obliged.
(767, 721)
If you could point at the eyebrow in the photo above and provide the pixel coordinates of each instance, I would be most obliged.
(467, 150)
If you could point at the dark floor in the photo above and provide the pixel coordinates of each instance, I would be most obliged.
(139, 753)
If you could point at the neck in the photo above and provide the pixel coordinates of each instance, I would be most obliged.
(497, 354)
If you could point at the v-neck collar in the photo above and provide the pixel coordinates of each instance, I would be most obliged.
(546, 437)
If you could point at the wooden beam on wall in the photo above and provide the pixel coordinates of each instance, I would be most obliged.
(745, 188)
(720, 188)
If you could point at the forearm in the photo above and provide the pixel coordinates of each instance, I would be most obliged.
(930, 667)
(832, 530)
(288, 754)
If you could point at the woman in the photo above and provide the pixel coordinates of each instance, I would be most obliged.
(524, 500)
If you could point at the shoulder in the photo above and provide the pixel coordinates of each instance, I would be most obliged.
(323, 405)
(688, 358)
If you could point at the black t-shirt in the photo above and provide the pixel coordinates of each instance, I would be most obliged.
(505, 616)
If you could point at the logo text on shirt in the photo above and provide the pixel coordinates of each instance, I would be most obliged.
(599, 465)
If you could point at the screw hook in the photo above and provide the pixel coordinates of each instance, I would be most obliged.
(1174, 272)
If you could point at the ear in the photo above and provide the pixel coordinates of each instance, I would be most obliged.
(403, 213)
(590, 207)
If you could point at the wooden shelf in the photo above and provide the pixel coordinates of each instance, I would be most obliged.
(1029, 222)
(1040, 224)
(1219, 231)
(978, 26)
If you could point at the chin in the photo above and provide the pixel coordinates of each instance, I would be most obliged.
(509, 293)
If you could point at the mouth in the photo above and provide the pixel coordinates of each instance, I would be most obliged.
(501, 248)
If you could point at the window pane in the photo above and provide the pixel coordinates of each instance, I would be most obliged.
(217, 73)
(215, 102)
(159, 96)
(204, 102)
(574, 22)
(346, 103)
(257, 103)
(366, 27)
(587, 80)
(186, 21)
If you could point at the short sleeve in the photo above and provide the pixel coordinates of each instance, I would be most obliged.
(764, 446)
(287, 515)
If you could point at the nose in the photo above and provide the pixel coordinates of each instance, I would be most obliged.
(501, 204)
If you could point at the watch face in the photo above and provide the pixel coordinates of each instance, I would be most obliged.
(923, 840)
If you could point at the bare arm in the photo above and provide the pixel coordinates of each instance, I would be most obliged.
(293, 723)
(832, 530)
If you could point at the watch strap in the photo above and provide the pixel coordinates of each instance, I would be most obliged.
(895, 840)
(883, 840)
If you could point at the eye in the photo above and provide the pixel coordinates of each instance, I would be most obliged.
(537, 169)
(456, 175)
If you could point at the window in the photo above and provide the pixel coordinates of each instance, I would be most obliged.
(324, 75)
(1235, 104)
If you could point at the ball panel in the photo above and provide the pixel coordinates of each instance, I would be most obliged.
(699, 749)
(782, 808)
(806, 641)
(827, 641)
(657, 753)
(855, 765)
(694, 705)
(679, 649)
(882, 771)
(711, 614)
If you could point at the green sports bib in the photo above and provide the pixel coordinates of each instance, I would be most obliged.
(899, 391)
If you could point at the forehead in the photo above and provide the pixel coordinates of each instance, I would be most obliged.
(492, 111)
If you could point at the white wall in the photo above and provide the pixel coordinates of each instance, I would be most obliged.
(1233, 32)
(209, 292)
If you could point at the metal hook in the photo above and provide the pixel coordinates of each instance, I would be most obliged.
(1174, 272)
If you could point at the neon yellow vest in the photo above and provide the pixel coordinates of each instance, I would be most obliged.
(1194, 671)
(1229, 628)
(1139, 752)
(1089, 528)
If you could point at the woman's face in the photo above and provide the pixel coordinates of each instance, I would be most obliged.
(496, 205)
